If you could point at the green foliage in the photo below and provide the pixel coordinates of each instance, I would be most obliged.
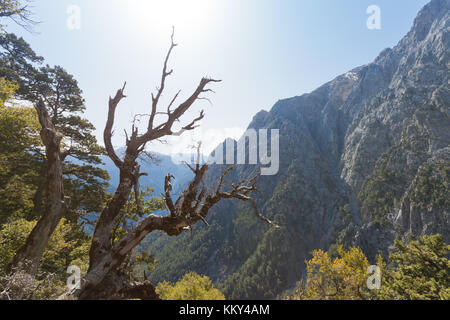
(17, 11)
(245, 258)
(418, 270)
(199, 246)
(19, 156)
(432, 186)
(18, 64)
(191, 287)
(23, 162)
(130, 214)
(342, 278)
(140, 265)
(84, 182)
(68, 245)
(264, 274)
(421, 272)
(380, 192)
(345, 213)
(7, 89)
(9, 7)
(247, 231)
(224, 243)
(12, 236)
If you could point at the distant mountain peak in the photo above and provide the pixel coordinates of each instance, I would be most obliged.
(427, 18)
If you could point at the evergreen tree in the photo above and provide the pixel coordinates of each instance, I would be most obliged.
(422, 271)
(84, 182)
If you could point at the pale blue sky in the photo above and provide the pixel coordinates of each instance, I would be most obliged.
(263, 50)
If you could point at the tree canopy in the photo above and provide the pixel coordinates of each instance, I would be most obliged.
(191, 287)
(421, 270)
(416, 270)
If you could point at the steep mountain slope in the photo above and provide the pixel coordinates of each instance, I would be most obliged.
(363, 159)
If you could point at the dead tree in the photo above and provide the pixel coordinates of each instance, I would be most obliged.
(104, 280)
(29, 255)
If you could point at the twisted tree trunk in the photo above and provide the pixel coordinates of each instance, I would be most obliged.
(104, 279)
(29, 255)
(38, 198)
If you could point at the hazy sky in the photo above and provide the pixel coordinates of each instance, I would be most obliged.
(262, 50)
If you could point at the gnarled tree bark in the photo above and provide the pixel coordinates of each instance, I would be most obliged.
(27, 258)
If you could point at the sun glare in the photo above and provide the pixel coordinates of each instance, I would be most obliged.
(183, 14)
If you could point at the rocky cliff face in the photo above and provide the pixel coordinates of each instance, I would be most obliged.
(364, 159)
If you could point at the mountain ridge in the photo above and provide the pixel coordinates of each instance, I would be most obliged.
(355, 155)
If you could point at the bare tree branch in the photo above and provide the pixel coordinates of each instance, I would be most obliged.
(107, 134)
(165, 73)
(191, 206)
